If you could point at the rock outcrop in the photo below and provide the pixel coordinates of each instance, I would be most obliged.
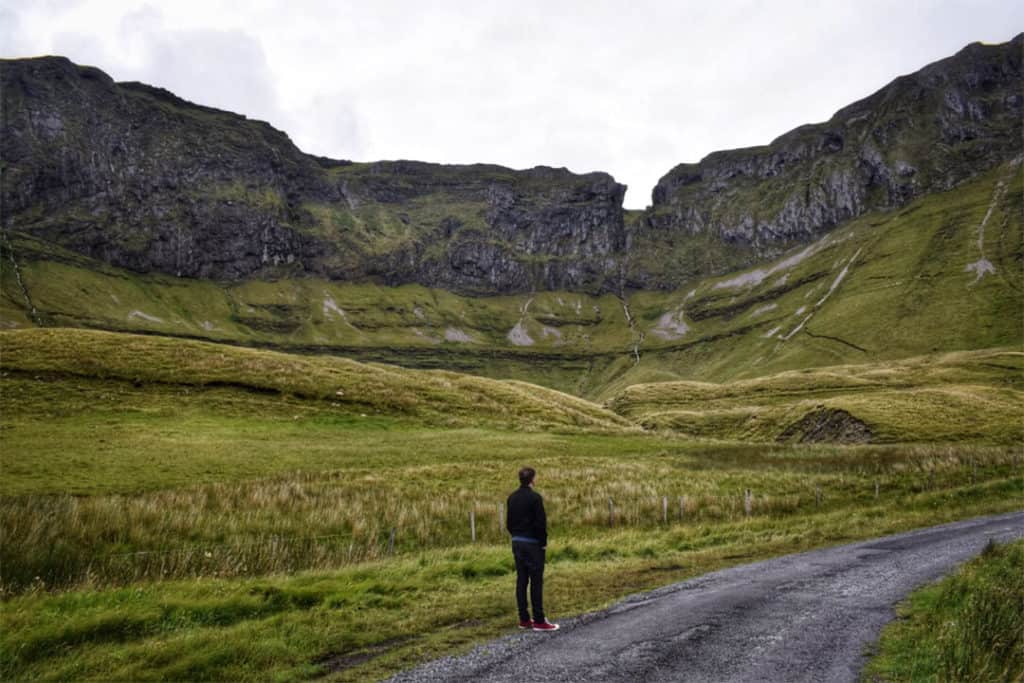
(141, 179)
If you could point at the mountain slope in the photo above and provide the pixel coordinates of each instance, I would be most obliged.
(922, 133)
(945, 273)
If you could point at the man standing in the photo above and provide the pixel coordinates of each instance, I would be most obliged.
(529, 528)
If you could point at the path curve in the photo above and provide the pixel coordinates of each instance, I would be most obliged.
(805, 617)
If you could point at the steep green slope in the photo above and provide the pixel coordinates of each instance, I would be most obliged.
(942, 274)
(945, 273)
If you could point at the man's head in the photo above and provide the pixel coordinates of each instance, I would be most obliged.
(526, 476)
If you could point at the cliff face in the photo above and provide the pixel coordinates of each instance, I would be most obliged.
(479, 229)
(922, 133)
(141, 179)
(136, 177)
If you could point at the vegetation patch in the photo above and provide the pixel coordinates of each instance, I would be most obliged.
(344, 384)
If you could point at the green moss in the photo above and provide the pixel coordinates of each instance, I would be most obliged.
(263, 197)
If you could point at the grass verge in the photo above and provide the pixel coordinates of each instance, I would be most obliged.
(968, 627)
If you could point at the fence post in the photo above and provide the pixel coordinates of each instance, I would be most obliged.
(501, 517)
(817, 496)
(876, 489)
(472, 525)
(747, 502)
(611, 512)
(664, 509)
(391, 541)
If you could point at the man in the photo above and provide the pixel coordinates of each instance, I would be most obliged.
(528, 526)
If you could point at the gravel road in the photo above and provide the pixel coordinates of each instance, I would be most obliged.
(806, 617)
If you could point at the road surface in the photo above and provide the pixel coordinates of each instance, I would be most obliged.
(806, 617)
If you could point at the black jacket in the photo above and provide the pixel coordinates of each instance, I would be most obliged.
(526, 515)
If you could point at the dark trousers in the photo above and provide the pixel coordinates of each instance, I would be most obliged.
(529, 571)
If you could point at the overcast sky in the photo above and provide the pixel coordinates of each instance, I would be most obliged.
(631, 88)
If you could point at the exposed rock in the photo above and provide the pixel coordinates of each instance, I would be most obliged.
(671, 325)
(518, 335)
(454, 334)
(980, 267)
(827, 425)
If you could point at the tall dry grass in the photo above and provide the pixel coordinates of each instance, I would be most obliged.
(321, 520)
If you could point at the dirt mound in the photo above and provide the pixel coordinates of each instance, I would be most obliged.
(827, 425)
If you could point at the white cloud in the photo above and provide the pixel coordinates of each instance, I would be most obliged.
(587, 84)
(219, 68)
(11, 37)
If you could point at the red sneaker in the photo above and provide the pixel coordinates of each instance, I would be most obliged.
(544, 626)
(525, 624)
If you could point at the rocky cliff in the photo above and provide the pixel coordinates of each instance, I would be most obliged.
(137, 177)
(141, 179)
(922, 133)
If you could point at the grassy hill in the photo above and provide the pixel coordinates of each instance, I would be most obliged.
(961, 396)
(345, 385)
(178, 509)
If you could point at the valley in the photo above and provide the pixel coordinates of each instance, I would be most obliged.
(260, 410)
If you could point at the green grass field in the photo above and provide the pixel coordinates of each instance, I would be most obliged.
(184, 510)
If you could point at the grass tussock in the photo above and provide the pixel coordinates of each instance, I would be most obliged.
(969, 627)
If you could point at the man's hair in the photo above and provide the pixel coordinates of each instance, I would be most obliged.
(526, 476)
